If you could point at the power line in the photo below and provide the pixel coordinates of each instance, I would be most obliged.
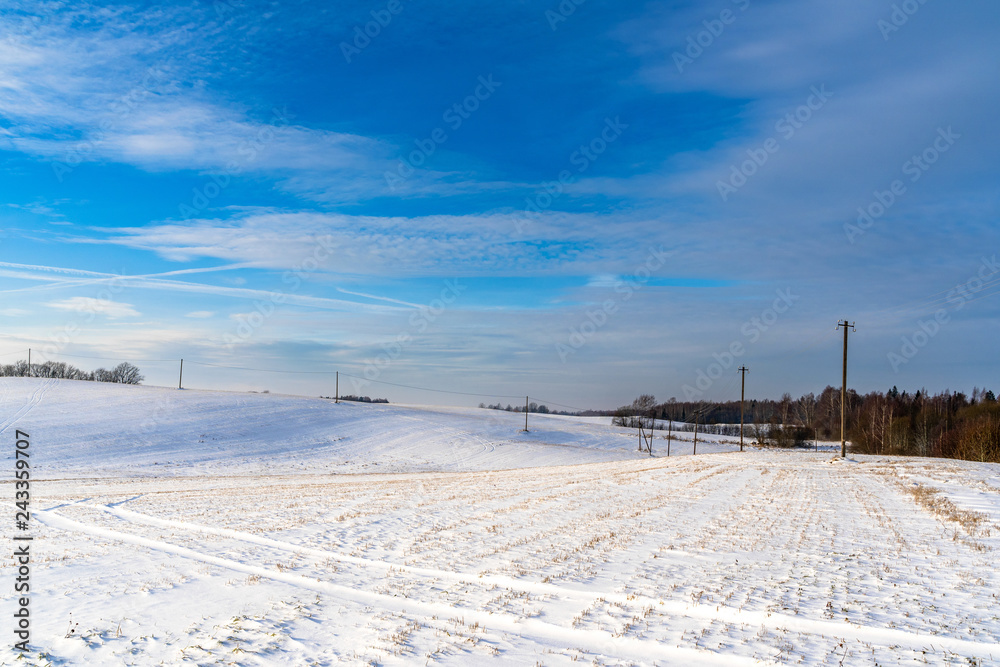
(977, 297)
(937, 299)
(439, 391)
(80, 356)
(558, 405)
(722, 395)
(293, 372)
(257, 370)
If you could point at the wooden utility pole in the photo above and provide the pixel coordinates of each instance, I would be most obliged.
(652, 432)
(646, 442)
(336, 393)
(743, 381)
(180, 378)
(29, 362)
(843, 391)
(525, 414)
(670, 431)
(697, 414)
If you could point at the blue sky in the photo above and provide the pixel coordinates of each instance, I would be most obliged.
(581, 202)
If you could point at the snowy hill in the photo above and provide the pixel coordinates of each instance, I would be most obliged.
(92, 427)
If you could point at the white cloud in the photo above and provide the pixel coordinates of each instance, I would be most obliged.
(603, 280)
(288, 296)
(201, 314)
(84, 304)
(115, 93)
(395, 246)
(889, 96)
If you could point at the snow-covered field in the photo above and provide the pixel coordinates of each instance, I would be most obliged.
(97, 428)
(176, 527)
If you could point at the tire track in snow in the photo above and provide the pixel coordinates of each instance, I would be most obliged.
(36, 397)
(773, 621)
(5, 384)
(599, 642)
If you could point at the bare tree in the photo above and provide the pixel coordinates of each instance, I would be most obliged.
(785, 406)
(644, 406)
(126, 373)
(805, 409)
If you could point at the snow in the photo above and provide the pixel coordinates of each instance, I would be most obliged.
(101, 428)
(227, 528)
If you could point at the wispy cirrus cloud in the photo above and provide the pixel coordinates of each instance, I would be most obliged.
(389, 246)
(887, 95)
(51, 282)
(136, 87)
(115, 92)
(160, 100)
(133, 88)
(111, 309)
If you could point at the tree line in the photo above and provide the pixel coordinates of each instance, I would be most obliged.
(123, 373)
(358, 399)
(532, 407)
(948, 424)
